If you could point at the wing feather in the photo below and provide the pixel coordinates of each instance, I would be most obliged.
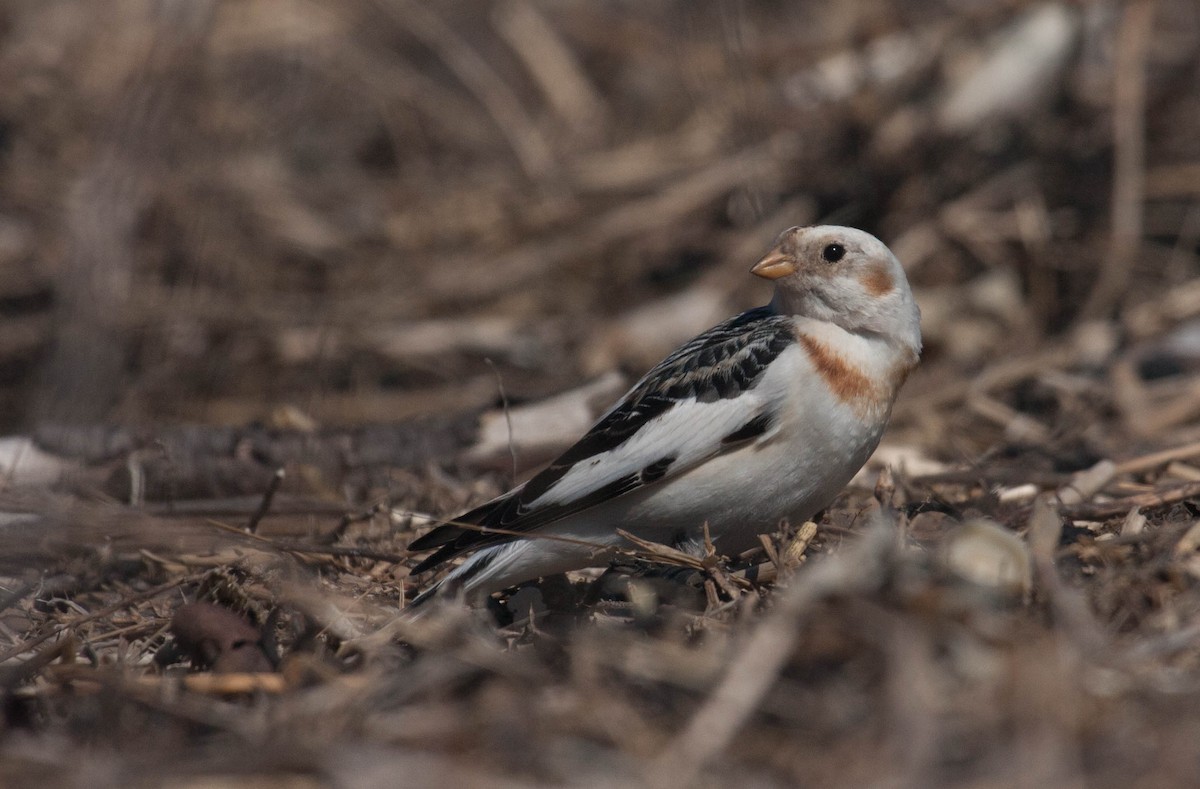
(698, 402)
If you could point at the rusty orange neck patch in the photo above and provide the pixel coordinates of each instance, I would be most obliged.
(847, 381)
(850, 383)
(878, 280)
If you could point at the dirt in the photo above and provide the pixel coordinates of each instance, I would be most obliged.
(272, 272)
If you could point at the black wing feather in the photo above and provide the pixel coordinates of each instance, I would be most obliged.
(721, 363)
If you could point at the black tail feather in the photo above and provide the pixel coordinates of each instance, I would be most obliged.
(424, 597)
(451, 539)
(442, 554)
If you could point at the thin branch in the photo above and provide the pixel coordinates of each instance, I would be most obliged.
(265, 505)
(1129, 157)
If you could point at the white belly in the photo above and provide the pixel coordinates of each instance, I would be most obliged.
(792, 472)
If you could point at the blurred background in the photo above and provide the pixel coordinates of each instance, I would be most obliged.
(298, 213)
(247, 237)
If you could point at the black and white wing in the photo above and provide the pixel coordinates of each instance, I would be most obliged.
(698, 402)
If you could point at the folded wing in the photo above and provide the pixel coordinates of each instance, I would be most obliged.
(700, 401)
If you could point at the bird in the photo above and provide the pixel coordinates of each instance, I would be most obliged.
(764, 417)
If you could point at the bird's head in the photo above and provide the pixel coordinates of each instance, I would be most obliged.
(844, 276)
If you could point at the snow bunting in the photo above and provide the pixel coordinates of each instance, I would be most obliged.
(763, 417)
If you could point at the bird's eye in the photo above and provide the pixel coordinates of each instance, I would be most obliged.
(833, 252)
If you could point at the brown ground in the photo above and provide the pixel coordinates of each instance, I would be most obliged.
(237, 237)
